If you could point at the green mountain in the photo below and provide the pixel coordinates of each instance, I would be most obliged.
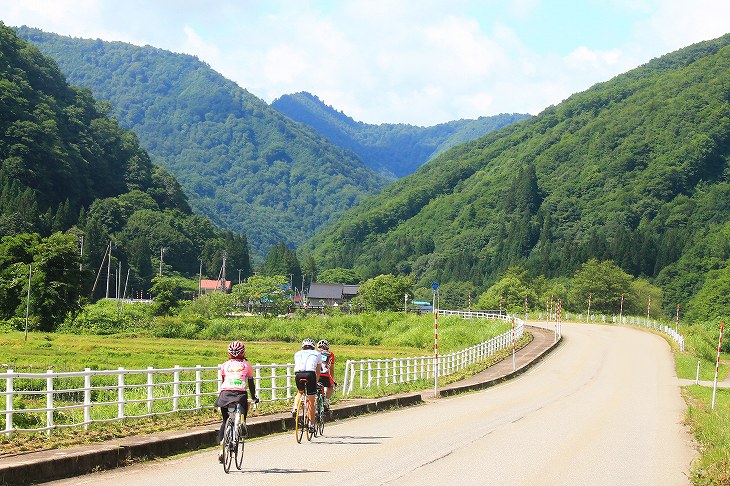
(634, 169)
(67, 168)
(242, 163)
(395, 150)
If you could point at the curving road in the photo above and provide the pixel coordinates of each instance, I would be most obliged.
(604, 408)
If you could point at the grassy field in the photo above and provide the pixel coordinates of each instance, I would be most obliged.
(352, 337)
(389, 335)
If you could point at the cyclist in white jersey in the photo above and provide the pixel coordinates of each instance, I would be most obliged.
(307, 365)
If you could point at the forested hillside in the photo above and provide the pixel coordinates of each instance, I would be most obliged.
(395, 150)
(71, 181)
(634, 170)
(243, 164)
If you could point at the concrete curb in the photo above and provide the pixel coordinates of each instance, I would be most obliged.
(49, 465)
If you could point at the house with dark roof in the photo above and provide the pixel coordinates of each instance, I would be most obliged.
(326, 294)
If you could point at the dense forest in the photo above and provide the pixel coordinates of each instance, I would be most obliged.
(243, 164)
(74, 182)
(395, 150)
(633, 170)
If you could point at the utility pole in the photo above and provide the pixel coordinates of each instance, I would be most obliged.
(239, 275)
(162, 252)
(109, 269)
(223, 272)
(200, 278)
(81, 260)
(27, 300)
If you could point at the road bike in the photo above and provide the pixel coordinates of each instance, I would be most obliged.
(234, 436)
(302, 424)
(319, 412)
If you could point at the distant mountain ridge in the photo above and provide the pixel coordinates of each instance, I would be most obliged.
(243, 164)
(635, 170)
(395, 150)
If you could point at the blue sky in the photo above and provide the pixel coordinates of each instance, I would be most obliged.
(421, 62)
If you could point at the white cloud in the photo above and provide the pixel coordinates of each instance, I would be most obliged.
(411, 61)
(584, 58)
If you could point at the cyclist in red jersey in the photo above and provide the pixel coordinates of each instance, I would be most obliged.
(234, 374)
(326, 376)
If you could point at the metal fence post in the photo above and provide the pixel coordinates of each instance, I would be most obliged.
(273, 381)
(150, 385)
(9, 403)
(87, 398)
(120, 393)
(175, 387)
(49, 401)
(344, 378)
(198, 388)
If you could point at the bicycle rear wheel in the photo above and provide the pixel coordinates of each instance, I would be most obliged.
(299, 422)
(310, 430)
(240, 446)
(227, 449)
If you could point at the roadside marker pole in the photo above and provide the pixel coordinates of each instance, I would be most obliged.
(621, 311)
(676, 322)
(717, 366)
(559, 320)
(436, 352)
(436, 303)
(514, 367)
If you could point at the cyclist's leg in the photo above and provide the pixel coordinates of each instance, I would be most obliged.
(224, 413)
(244, 403)
(311, 399)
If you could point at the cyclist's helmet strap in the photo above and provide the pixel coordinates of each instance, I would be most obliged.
(236, 349)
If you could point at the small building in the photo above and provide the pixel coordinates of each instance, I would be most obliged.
(210, 286)
(326, 294)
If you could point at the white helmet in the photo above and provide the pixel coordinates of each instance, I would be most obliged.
(308, 343)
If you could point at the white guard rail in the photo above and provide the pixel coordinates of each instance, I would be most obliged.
(380, 372)
(37, 402)
(625, 320)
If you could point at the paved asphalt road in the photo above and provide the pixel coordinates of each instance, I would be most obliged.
(604, 408)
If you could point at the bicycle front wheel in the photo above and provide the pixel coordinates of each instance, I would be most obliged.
(319, 425)
(228, 451)
(240, 446)
(299, 422)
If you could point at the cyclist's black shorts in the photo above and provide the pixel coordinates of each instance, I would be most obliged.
(231, 397)
(311, 377)
(325, 380)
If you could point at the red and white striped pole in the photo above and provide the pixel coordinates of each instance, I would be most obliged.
(648, 311)
(514, 366)
(676, 322)
(436, 352)
(717, 366)
(621, 311)
(435, 340)
(559, 320)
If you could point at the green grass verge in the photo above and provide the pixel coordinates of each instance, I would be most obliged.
(712, 430)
